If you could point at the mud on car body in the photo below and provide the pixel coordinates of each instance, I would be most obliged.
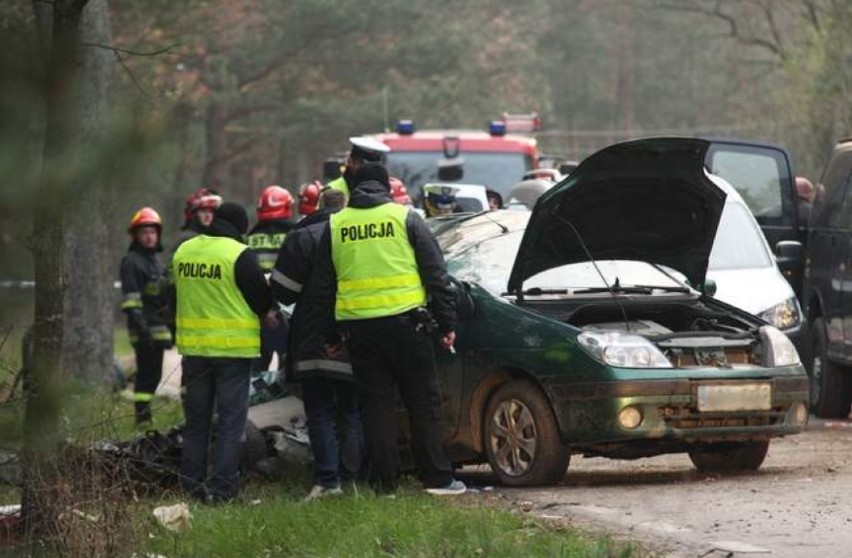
(588, 344)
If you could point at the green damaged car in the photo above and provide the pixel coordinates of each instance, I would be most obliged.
(578, 335)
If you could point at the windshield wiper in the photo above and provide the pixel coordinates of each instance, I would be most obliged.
(667, 288)
(634, 289)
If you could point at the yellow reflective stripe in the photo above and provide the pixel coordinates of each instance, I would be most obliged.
(390, 282)
(142, 397)
(415, 298)
(218, 323)
(128, 304)
(218, 342)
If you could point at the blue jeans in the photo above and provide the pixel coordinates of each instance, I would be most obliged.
(223, 383)
(326, 400)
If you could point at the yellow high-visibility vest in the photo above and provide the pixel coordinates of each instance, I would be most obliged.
(213, 318)
(376, 268)
(339, 183)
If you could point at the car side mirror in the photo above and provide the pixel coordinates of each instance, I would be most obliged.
(789, 253)
(709, 287)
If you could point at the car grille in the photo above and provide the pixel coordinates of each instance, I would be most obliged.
(682, 358)
(686, 419)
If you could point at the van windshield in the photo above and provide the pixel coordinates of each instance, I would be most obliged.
(496, 171)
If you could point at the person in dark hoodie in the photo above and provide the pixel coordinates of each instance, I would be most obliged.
(222, 296)
(145, 301)
(328, 389)
(391, 292)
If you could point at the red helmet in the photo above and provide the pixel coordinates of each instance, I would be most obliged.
(145, 217)
(398, 191)
(204, 198)
(274, 203)
(309, 194)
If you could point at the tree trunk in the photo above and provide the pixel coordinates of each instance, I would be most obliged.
(215, 167)
(87, 349)
(59, 26)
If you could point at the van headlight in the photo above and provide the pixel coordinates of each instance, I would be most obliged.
(784, 315)
(778, 350)
(624, 350)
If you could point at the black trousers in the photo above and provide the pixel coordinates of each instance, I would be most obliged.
(388, 352)
(149, 372)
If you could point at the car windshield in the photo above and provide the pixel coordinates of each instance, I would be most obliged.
(496, 171)
(739, 242)
(489, 264)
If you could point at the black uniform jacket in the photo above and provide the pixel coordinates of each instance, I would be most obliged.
(303, 278)
(266, 238)
(146, 295)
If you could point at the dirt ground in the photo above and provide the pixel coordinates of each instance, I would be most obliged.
(799, 504)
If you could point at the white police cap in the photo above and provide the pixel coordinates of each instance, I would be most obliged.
(368, 144)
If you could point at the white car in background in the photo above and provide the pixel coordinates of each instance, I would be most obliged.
(745, 271)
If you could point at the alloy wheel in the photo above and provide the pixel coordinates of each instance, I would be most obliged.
(513, 437)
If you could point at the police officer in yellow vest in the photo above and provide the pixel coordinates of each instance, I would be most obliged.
(388, 269)
(363, 150)
(221, 297)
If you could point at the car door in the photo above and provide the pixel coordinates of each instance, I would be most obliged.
(828, 256)
(763, 176)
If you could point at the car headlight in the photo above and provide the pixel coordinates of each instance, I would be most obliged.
(624, 350)
(778, 350)
(784, 315)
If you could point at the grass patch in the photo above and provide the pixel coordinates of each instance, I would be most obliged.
(412, 525)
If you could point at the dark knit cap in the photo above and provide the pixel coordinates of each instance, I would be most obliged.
(372, 172)
(234, 214)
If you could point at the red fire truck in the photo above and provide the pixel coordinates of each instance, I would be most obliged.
(496, 158)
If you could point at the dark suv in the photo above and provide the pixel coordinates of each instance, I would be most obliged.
(828, 286)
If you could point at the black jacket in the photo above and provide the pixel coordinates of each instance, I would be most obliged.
(303, 278)
(146, 295)
(265, 238)
(430, 259)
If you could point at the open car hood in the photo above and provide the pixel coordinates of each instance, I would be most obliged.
(645, 200)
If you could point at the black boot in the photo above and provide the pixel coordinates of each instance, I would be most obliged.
(143, 413)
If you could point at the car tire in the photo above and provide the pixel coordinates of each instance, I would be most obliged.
(729, 456)
(830, 383)
(521, 437)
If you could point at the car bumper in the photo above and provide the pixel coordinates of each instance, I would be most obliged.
(589, 414)
(798, 337)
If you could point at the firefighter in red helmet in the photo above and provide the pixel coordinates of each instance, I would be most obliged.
(309, 194)
(398, 192)
(197, 215)
(274, 221)
(145, 301)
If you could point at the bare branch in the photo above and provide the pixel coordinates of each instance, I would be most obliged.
(243, 147)
(118, 50)
(132, 76)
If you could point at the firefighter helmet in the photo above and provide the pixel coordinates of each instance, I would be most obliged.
(204, 198)
(398, 191)
(145, 217)
(309, 194)
(274, 203)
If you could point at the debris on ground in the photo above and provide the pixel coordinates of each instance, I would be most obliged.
(176, 518)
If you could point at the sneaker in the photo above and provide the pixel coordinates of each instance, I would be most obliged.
(320, 491)
(455, 488)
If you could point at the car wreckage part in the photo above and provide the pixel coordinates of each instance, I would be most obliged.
(729, 456)
(521, 437)
(831, 384)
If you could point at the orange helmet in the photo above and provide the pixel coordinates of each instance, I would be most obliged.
(145, 217)
(398, 191)
(309, 194)
(204, 198)
(274, 203)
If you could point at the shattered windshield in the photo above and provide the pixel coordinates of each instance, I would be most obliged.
(489, 264)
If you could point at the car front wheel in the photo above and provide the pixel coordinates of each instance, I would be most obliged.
(831, 384)
(521, 437)
(729, 456)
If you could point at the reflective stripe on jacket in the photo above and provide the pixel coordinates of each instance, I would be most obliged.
(377, 274)
(213, 317)
(265, 246)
